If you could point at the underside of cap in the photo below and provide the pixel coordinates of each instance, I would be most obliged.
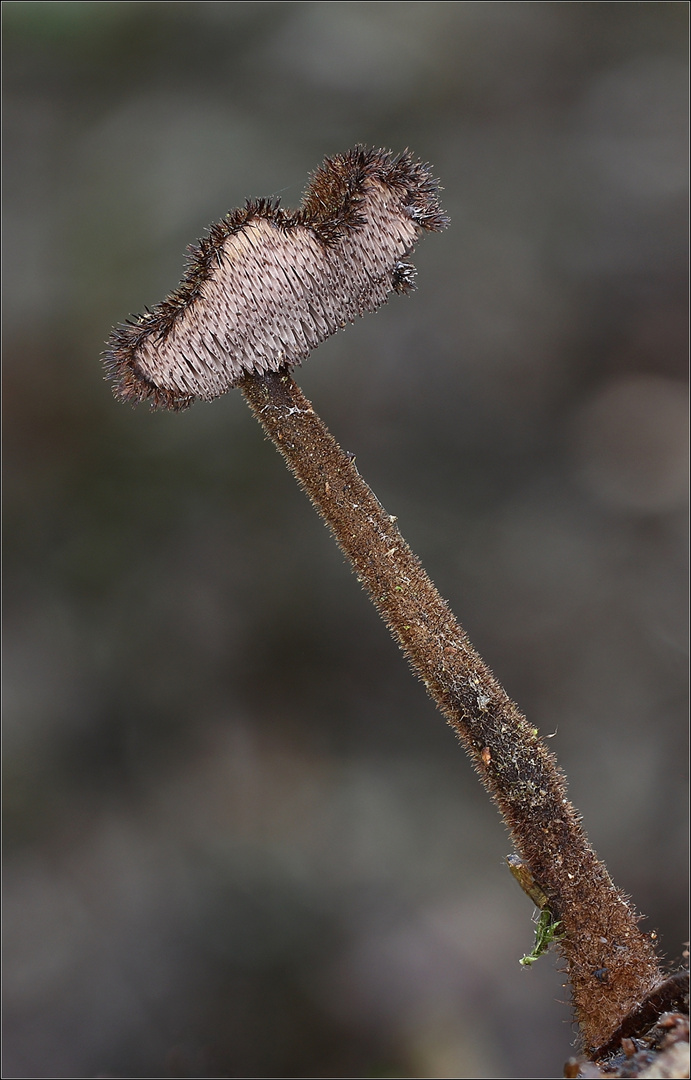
(268, 285)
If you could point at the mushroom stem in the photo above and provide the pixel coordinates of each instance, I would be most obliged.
(610, 963)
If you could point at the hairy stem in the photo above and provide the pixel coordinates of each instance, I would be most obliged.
(610, 963)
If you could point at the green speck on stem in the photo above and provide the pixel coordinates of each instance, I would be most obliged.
(545, 934)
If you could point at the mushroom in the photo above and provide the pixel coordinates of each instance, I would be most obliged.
(261, 291)
(268, 285)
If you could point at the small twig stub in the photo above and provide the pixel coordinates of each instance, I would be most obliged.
(268, 285)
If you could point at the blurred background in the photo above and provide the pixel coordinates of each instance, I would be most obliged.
(239, 840)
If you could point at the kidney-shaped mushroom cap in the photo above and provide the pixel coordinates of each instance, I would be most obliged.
(268, 285)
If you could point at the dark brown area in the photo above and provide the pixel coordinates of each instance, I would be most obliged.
(672, 993)
(660, 1049)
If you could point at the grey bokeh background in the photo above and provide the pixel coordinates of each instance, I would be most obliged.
(239, 840)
